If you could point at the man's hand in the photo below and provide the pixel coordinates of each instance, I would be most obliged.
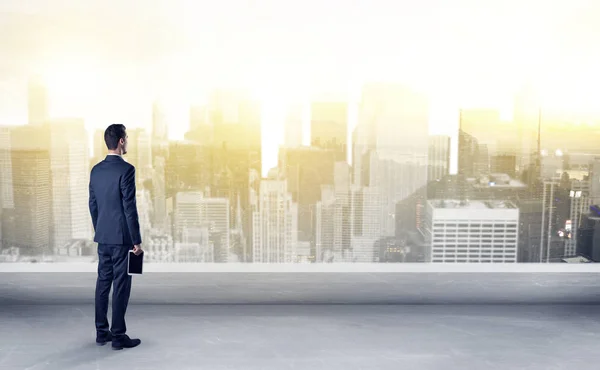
(137, 250)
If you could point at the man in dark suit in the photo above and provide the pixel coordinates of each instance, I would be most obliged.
(117, 231)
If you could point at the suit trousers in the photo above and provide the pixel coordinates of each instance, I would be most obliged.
(112, 270)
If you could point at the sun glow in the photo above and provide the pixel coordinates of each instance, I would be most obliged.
(73, 85)
(462, 56)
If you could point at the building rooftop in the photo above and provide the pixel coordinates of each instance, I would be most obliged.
(499, 180)
(471, 204)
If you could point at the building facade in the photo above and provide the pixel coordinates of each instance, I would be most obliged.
(439, 157)
(69, 164)
(580, 203)
(472, 232)
(275, 224)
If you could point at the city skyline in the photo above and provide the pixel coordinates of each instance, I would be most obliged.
(358, 129)
(275, 117)
(331, 211)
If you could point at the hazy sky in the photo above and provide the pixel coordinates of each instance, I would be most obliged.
(107, 60)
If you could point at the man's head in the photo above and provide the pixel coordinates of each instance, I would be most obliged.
(115, 138)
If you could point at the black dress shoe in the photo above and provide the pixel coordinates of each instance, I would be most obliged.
(103, 339)
(125, 342)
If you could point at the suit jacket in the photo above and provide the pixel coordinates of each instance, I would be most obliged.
(112, 202)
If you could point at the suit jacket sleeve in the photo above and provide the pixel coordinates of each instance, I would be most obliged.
(93, 205)
(130, 206)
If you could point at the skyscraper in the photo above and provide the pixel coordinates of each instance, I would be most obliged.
(554, 216)
(526, 114)
(275, 224)
(28, 225)
(307, 169)
(394, 121)
(69, 161)
(439, 157)
(139, 154)
(580, 204)
(236, 121)
(530, 229)
(159, 195)
(594, 181)
(193, 210)
(468, 154)
(215, 214)
(329, 127)
(472, 232)
(334, 218)
(366, 222)
(325, 227)
(6, 180)
(145, 208)
(588, 240)
(347, 223)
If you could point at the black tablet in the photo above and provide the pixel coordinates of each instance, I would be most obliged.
(135, 263)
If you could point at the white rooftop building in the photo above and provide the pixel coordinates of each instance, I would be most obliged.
(472, 231)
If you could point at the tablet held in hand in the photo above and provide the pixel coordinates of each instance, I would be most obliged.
(135, 263)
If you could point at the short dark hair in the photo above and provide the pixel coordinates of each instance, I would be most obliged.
(113, 134)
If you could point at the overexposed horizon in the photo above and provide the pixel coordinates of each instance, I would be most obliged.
(108, 61)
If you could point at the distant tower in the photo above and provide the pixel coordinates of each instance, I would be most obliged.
(438, 158)
(239, 227)
(535, 170)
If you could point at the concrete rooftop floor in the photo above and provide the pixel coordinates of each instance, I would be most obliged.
(308, 337)
(343, 318)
